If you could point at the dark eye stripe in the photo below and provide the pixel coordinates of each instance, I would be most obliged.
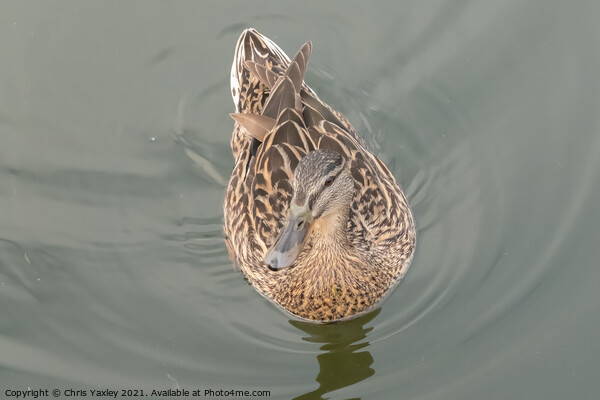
(333, 177)
(311, 202)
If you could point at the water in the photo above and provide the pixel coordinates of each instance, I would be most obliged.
(114, 156)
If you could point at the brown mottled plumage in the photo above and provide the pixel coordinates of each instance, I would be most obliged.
(316, 222)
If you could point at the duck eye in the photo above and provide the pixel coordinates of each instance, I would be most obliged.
(329, 181)
(299, 225)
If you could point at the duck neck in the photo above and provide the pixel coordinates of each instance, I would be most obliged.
(331, 254)
(330, 233)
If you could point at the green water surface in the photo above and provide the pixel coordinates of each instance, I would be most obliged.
(114, 158)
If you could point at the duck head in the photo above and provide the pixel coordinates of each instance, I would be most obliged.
(323, 188)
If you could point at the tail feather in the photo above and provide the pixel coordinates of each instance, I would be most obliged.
(252, 46)
(265, 83)
(283, 96)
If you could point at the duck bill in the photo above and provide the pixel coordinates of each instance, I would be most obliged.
(291, 240)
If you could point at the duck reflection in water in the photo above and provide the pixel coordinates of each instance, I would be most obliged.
(344, 360)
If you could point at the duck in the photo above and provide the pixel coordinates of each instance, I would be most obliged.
(316, 222)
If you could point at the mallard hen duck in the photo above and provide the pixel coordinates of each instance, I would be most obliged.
(315, 221)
